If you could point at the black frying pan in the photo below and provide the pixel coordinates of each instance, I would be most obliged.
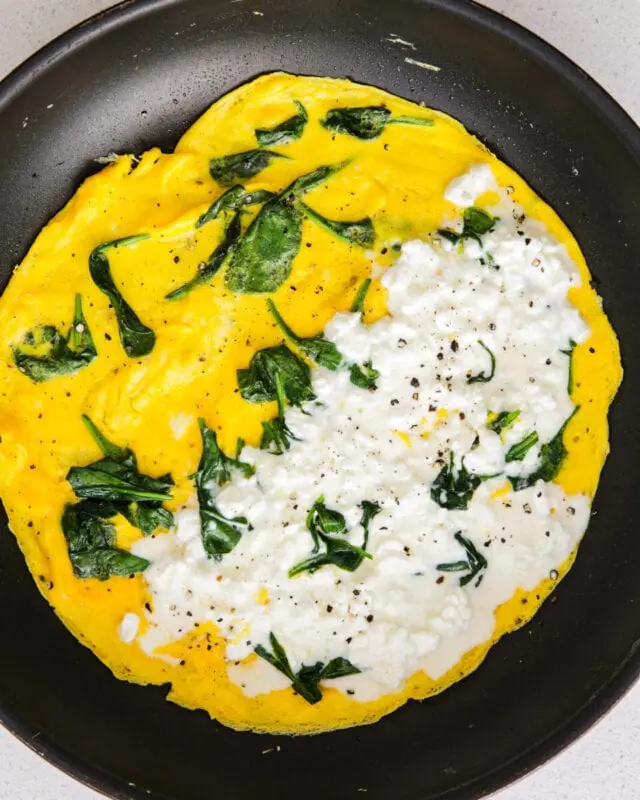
(139, 75)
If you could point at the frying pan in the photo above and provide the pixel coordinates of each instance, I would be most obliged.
(139, 75)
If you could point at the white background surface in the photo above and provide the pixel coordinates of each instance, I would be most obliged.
(603, 36)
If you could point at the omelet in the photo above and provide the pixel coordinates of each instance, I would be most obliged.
(304, 416)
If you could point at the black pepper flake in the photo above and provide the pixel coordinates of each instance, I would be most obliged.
(440, 579)
(356, 592)
(329, 609)
(369, 617)
(455, 346)
(394, 402)
(415, 382)
(350, 691)
(440, 356)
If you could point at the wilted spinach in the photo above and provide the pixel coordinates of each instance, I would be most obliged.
(263, 259)
(517, 452)
(306, 682)
(45, 353)
(219, 534)
(234, 199)
(241, 166)
(453, 489)
(364, 376)
(317, 348)
(482, 377)
(475, 223)
(208, 269)
(137, 339)
(116, 477)
(357, 306)
(327, 528)
(91, 541)
(257, 383)
(360, 232)
(287, 131)
(276, 435)
(552, 457)
(366, 122)
(502, 421)
(569, 352)
(474, 566)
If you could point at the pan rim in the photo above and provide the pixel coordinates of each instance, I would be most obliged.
(625, 675)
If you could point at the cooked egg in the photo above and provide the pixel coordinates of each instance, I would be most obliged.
(426, 474)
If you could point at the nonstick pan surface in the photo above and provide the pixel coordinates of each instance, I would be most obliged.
(137, 76)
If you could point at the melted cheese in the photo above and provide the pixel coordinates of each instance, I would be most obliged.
(400, 180)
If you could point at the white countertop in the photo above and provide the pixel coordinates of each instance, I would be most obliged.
(604, 38)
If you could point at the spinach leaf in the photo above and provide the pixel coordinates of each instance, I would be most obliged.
(569, 352)
(326, 527)
(453, 489)
(369, 511)
(360, 232)
(207, 270)
(502, 421)
(116, 477)
(358, 304)
(364, 376)
(219, 534)
(137, 339)
(366, 122)
(475, 223)
(306, 682)
(317, 348)
(474, 566)
(147, 516)
(228, 169)
(311, 180)
(234, 199)
(45, 353)
(258, 382)
(263, 260)
(287, 131)
(276, 435)
(91, 542)
(517, 452)
(552, 457)
(482, 377)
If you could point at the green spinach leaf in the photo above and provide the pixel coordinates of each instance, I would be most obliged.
(327, 527)
(475, 223)
(366, 122)
(482, 377)
(453, 489)
(287, 131)
(552, 456)
(276, 435)
(306, 682)
(219, 533)
(474, 567)
(364, 376)
(360, 232)
(317, 348)
(234, 199)
(502, 421)
(517, 452)
(257, 383)
(208, 270)
(263, 259)
(370, 510)
(241, 166)
(91, 542)
(358, 304)
(116, 477)
(45, 353)
(137, 339)
(262, 262)
(569, 352)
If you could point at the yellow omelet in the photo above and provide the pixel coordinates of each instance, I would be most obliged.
(178, 350)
